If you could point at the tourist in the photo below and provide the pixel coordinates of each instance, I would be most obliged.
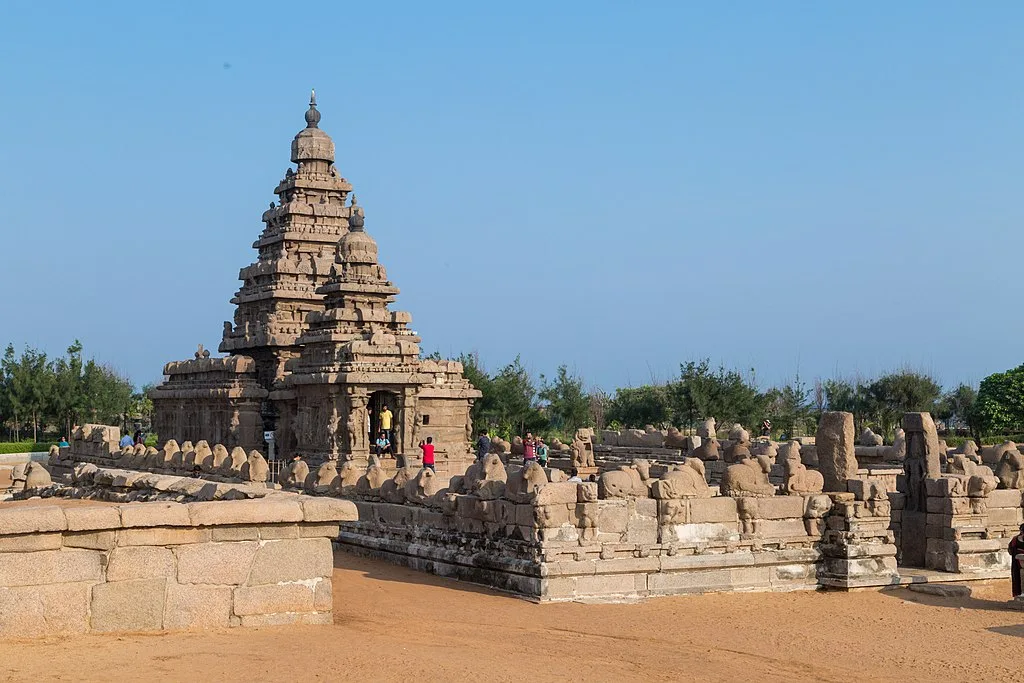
(483, 445)
(383, 444)
(766, 428)
(126, 441)
(138, 437)
(386, 417)
(593, 478)
(63, 443)
(529, 449)
(428, 453)
(574, 475)
(542, 453)
(1016, 548)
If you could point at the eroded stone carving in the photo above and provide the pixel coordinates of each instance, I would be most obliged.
(749, 477)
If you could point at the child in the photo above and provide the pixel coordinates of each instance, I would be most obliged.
(428, 453)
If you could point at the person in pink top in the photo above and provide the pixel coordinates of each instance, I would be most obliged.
(529, 449)
(428, 453)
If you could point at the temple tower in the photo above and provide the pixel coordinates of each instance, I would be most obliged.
(296, 251)
(357, 357)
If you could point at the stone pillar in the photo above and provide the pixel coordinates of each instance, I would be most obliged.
(837, 457)
(857, 549)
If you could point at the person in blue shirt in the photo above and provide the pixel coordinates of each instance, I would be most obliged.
(63, 443)
(483, 445)
(384, 444)
(126, 440)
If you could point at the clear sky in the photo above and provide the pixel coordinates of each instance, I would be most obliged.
(832, 188)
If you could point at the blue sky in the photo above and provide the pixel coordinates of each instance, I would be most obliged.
(823, 187)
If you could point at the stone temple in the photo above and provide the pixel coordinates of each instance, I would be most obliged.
(315, 353)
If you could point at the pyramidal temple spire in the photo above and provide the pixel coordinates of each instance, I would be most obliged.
(312, 114)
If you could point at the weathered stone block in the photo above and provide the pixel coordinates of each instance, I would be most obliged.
(197, 607)
(128, 605)
(835, 445)
(612, 517)
(948, 506)
(328, 510)
(215, 563)
(721, 509)
(323, 596)
(26, 543)
(154, 514)
(1004, 498)
(234, 533)
(328, 530)
(701, 533)
(92, 517)
(161, 536)
(551, 516)
(50, 566)
(780, 507)
(775, 528)
(942, 486)
(557, 493)
(31, 519)
(291, 560)
(272, 599)
(276, 532)
(262, 511)
(140, 562)
(31, 611)
(1005, 516)
(94, 540)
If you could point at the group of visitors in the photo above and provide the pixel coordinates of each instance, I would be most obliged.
(134, 440)
(384, 442)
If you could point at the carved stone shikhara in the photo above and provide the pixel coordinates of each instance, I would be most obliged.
(315, 351)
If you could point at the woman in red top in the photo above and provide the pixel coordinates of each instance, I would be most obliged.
(428, 453)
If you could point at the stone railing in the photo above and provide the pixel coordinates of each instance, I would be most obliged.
(70, 566)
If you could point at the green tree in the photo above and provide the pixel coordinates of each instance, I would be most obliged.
(635, 407)
(1000, 402)
(483, 407)
(28, 380)
(568, 404)
(789, 407)
(724, 394)
(892, 395)
(956, 408)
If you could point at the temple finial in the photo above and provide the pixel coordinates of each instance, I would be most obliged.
(312, 114)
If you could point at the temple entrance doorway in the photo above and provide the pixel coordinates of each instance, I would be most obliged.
(378, 401)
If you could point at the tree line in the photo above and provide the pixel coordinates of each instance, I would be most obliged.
(513, 402)
(40, 394)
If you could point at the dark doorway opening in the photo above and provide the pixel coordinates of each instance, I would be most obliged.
(378, 401)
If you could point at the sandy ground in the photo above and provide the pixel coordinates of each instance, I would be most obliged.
(394, 624)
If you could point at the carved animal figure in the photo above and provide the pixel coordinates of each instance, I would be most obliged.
(326, 477)
(524, 482)
(979, 478)
(708, 449)
(255, 469)
(37, 476)
(422, 487)
(748, 477)
(1008, 471)
(685, 481)
(869, 438)
(294, 475)
(626, 482)
(393, 490)
(798, 480)
(708, 430)
(583, 448)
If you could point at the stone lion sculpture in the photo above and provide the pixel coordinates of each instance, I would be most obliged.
(797, 479)
(748, 477)
(682, 481)
(582, 448)
(629, 481)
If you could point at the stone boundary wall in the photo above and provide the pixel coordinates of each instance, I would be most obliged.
(567, 545)
(90, 568)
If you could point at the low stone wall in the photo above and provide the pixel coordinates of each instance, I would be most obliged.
(969, 534)
(565, 544)
(77, 567)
